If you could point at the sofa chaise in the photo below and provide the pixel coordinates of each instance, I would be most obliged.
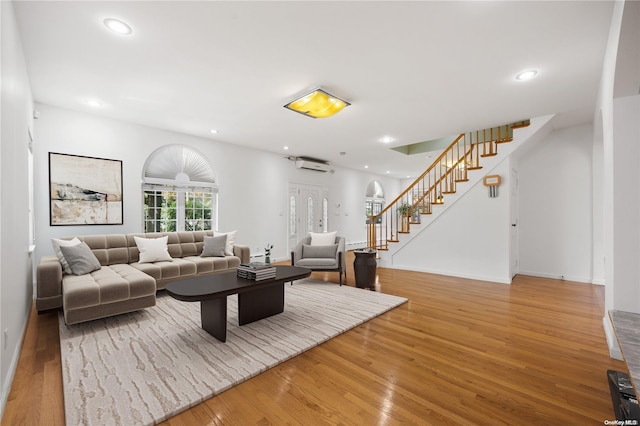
(124, 284)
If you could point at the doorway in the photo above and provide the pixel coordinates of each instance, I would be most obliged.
(513, 199)
(308, 211)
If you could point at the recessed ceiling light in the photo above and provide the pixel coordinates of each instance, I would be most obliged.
(285, 148)
(526, 75)
(93, 103)
(386, 139)
(117, 26)
(388, 172)
(366, 167)
(213, 131)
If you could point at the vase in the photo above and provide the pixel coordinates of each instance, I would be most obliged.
(267, 259)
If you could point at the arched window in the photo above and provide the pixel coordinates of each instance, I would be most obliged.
(179, 191)
(373, 199)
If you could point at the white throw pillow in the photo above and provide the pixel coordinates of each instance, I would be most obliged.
(57, 243)
(231, 240)
(323, 239)
(153, 249)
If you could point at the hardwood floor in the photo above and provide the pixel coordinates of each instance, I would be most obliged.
(458, 352)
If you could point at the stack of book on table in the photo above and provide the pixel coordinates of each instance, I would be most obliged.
(256, 271)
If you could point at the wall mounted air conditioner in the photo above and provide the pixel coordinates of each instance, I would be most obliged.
(314, 165)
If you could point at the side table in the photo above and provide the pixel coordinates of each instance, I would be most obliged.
(364, 267)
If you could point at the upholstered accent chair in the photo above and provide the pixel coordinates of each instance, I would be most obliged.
(321, 252)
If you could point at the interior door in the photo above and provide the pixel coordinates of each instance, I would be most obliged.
(513, 194)
(308, 205)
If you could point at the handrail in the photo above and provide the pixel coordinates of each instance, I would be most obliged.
(429, 188)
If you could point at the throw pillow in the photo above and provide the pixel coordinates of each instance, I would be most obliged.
(80, 258)
(153, 249)
(57, 243)
(214, 246)
(323, 239)
(231, 240)
(309, 251)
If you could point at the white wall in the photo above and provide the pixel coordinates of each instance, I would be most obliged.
(471, 239)
(555, 219)
(253, 185)
(15, 263)
(619, 132)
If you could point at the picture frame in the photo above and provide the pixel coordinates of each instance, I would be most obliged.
(84, 190)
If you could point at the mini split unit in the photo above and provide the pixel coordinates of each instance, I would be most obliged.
(313, 164)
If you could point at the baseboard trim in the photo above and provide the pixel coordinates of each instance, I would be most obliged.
(6, 386)
(557, 277)
(495, 279)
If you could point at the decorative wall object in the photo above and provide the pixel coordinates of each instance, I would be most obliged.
(84, 190)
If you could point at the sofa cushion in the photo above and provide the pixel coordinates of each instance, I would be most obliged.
(159, 270)
(80, 258)
(153, 249)
(107, 285)
(231, 240)
(323, 239)
(57, 243)
(109, 249)
(319, 251)
(318, 263)
(214, 246)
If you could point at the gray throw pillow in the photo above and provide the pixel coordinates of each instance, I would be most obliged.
(80, 258)
(315, 252)
(214, 246)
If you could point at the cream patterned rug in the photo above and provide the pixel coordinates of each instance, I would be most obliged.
(146, 366)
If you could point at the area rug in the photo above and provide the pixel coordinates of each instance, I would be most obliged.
(146, 366)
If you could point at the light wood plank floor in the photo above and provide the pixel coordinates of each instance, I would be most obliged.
(460, 352)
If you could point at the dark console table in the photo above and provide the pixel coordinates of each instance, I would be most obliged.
(256, 299)
(364, 267)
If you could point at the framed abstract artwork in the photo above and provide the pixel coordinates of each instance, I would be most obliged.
(84, 190)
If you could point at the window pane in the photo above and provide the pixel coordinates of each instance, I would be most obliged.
(292, 216)
(325, 215)
(159, 210)
(310, 222)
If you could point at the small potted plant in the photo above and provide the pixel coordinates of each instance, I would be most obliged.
(267, 253)
(404, 211)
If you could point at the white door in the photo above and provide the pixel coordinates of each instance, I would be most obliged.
(308, 211)
(513, 194)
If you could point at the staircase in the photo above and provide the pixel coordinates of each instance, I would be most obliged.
(449, 175)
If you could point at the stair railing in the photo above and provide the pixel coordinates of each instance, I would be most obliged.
(450, 168)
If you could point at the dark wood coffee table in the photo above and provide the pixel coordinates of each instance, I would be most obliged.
(256, 299)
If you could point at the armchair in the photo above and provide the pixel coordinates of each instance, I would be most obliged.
(320, 257)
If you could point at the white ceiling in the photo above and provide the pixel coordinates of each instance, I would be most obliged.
(413, 71)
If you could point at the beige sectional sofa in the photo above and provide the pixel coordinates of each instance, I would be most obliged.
(123, 284)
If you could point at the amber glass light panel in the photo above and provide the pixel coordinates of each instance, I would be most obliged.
(317, 104)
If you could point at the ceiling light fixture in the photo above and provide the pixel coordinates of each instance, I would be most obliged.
(526, 75)
(117, 26)
(317, 104)
(386, 139)
(213, 131)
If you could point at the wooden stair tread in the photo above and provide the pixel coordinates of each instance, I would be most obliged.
(504, 140)
(448, 192)
(474, 168)
(462, 180)
(489, 155)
